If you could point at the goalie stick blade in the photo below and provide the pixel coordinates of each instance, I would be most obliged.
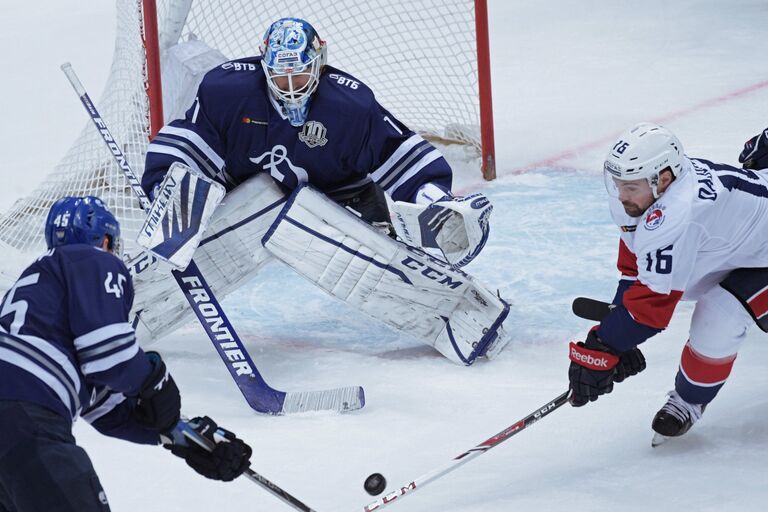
(591, 309)
(340, 399)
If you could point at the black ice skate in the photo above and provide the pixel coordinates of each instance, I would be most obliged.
(675, 418)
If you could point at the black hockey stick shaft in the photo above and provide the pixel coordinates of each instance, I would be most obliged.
(591, 309)
(470, 454)
(253, 476)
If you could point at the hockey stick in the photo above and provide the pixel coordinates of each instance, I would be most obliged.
(470, 454)
(591, 309)
(274, 489)
(259, 395)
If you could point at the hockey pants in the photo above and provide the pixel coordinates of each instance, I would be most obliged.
(41, 467)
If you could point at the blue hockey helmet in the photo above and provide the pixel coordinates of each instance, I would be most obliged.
(81, 220)
(293, 56)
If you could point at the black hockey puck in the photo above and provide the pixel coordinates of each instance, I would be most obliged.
(375, 484)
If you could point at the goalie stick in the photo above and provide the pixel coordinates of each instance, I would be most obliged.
(470, 454)
(253, 476)
(259, 395)
(591, 309)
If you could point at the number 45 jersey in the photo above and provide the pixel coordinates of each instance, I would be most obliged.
(711, 220)
(64, 335)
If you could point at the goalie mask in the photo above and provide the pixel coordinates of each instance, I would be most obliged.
(643, 151)
(293, 56)
(81, 220)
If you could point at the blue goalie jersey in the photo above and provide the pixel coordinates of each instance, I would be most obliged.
(66, 344)
(235, 129)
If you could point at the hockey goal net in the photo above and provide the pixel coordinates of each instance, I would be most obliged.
(426, 60)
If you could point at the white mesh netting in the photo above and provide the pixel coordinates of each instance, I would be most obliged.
(418, 56)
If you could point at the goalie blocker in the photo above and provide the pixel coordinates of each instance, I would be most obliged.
(182, 207)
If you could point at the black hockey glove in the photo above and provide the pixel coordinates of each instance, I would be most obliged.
(159, 402)
(592, 370)
(755, 152)
(631, 363)
(227, 460)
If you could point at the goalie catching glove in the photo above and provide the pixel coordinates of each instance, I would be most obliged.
(225, 457)
(182, 207)
(457, 226)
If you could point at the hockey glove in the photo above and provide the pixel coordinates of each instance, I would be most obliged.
(592, 370)
(228, 458)
(755, 152)
(631, 363)
(159, 402)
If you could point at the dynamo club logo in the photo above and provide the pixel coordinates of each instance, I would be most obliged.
(654, 218)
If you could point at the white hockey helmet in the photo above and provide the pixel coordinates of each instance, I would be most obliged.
(643, 151)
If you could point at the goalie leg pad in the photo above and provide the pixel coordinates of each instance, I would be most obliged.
(230, 253)
(388, 280)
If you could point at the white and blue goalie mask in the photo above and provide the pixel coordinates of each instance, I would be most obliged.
(293, 56)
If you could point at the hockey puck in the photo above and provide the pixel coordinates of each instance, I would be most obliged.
(375, 484)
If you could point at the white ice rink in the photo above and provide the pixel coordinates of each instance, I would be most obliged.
(567, 77)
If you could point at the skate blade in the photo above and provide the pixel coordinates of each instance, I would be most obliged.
(658, 439)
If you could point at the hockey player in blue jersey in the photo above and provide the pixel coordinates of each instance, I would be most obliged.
(293, 141)
(68, 351)
(290, 114)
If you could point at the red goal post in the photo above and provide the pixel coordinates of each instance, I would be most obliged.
(427, 61)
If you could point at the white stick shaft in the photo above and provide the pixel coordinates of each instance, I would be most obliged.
(101, 126)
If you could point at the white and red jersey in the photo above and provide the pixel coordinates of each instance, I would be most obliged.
(711, 220)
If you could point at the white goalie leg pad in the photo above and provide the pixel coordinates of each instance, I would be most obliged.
(458, 226)
(390, 281)
(230, 253)
(183, 206)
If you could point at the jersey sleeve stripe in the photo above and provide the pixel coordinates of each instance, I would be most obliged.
(203, 163)
(197, 141)
(404, 164)
(111, 360)
(102, 406)
(104, 347)
(102, 334)
(402, 150)
(50, 380)
(626, 262)
(175, 152)
(650, 308)
(414, 170)
(49, 353)
(18, 352)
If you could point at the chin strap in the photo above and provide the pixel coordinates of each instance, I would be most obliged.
(653, 181)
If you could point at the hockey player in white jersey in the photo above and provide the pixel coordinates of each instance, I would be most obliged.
(692, 230)
(284, 131)
(68, 351)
